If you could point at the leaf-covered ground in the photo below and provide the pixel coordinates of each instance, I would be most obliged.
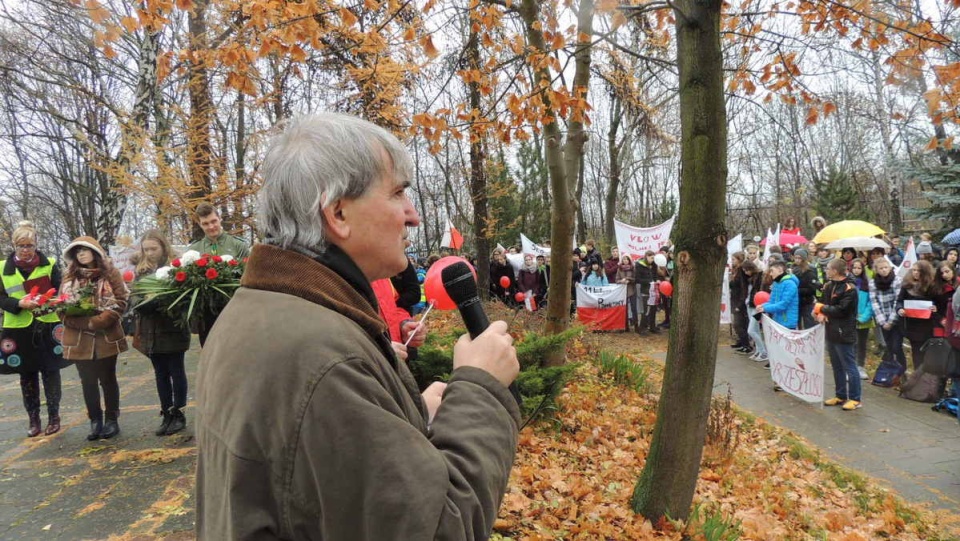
(575, 473)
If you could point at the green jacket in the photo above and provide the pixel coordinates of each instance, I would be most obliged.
(224, 245)
(308, 427)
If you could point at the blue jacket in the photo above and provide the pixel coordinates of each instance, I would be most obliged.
(864, 310)
(784, 303)
(593, 280)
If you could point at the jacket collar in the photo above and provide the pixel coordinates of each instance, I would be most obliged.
(9, 267)
(331, 280)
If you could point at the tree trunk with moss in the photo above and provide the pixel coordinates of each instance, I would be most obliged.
(668, 481)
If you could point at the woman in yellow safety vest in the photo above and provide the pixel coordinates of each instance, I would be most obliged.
(29, 344)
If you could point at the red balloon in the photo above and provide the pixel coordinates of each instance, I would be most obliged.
(433, 283)
(666, 289)
(761, 298)
(128, 276)
(504, 282)
(519, 297)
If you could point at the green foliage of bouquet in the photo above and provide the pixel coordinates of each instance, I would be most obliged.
(192, 286)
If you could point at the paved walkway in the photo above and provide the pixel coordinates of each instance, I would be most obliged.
(904, 443)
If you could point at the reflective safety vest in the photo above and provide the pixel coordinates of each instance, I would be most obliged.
(13, 285)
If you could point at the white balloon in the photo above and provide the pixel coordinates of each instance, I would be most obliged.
(660, 260)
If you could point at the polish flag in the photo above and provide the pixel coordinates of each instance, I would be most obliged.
(451, 237)
(602, 307)
(909, 259)
(918, 309)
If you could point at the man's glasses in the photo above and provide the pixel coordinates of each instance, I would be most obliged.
(26, 247)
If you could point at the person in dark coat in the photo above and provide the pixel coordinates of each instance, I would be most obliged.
(612, 265)
(158, 336)
(919, 286)
(29, 342)
(738, 301)
(645, 274)
(499, 269)
(808, 287)
(408, 287)
(839, 313)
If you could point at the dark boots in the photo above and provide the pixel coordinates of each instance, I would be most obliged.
(178, 421)
(53, 425)
(110, 426)
(96, 427)
(164, 424)
(34, 429)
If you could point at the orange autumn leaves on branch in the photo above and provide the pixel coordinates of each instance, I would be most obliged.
(375, 45)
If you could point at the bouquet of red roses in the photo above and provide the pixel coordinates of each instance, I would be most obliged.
(193, 285)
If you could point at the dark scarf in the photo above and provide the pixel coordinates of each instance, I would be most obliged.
(884, 284)
(27, 266)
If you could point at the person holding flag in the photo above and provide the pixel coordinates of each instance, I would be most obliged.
(916, 306)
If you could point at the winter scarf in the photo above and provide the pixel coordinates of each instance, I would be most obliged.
(26, 266)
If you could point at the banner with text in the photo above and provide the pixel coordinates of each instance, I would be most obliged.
(602, 308)
(527, 246)
(796, 359)
(635, 241)
(725, 314)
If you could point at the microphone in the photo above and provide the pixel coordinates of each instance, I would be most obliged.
(460, 286)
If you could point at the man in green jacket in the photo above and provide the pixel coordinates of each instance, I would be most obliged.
(214, 242)
(308, 426)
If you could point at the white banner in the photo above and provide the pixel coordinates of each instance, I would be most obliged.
(772, 238)
(635, 241)
(725, 314)
(516, 261)
(527, 246)
(734, 245)
(796, 359)
(601, 296)
(909, 258)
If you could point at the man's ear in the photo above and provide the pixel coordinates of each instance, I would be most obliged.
(336, 224)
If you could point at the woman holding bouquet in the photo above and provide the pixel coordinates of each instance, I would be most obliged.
(92, 334)
(158, 336)
(29, 341)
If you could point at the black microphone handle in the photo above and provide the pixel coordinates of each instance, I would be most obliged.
(474, 317)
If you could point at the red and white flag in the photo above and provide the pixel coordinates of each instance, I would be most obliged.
(451, 237)
(918, 309)
(602, 308)
(909, 259)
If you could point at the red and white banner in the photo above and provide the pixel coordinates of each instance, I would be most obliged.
(725, 314)
(918, 309)
(909, 258)
(602, 308)
(796, 359)
(635, 241)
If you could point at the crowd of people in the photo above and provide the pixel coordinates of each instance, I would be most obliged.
(858, 295)
(37, 344)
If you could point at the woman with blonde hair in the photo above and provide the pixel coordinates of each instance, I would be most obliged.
(94, 341)
(29, 344)
(158, 336)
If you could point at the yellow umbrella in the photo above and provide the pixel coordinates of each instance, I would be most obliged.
(846, 229)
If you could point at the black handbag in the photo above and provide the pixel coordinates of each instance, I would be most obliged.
(939, 358)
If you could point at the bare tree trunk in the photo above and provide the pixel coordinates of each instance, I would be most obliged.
(613, 188)
(563, 164)
(478, 179)
(667, 483)
(199, 149)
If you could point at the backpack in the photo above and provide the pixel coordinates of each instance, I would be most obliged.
(940, 358)
(948, 405)
(888, 374)
(923, 386)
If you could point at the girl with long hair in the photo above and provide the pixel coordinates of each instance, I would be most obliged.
(884, 292)
(918, 321)
(94, 341)
(158, 336)
(595, 276)
(864, 313)
(626, 275)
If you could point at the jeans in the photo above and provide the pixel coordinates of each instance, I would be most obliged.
(94, 375)
(894, 341)
(171, 379)
(754, 331)
(846, 378)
